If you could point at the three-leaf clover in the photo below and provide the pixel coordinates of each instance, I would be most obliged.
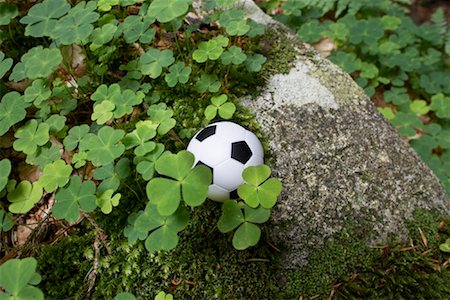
(136, 28)
(8, 11)
(208, 82)
(103, 112)
(5, 166)
(177, 73)
(152, 61)
(165, 11)
(37, 92)
(145, 165)
(106, 201)
(248, 233)
(41, 18)
(104, 147)
(55, 175)
(254, 62)
(38, 62)
(12, 111)
(75, 135)
(161, 116)
(30, 136)
(441, 105)
(43, 156)
(211, 49)
(234, 22)
(220, 105)
(188, 183)
(140, 138)
(233, 55)
(6, 221)
(445, 247)
(5, 64)
(102, 35)
(419, 107)
(71, 198)
(163, 296)
(24, 196)
(111, 175)
(258, 189)
(18, 278)
(104, 92)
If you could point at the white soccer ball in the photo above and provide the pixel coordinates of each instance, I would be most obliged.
(227, 149)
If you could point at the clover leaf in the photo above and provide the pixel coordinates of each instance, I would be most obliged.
(441, 105)
(254, 62)
(6, 221)
(419, 107)
(69, 199)
(183, 181)
(111, 175)
(103, 112)
(145, 165)
(5, 64)
(177, 73)
(247, 233)
(104, 147)
(125, 102)
(8, 11)
(124, 296)
(12, 111)
(30, 136)
(39, 62)
(310, 31)
(41, 18)
(165, 11)
(79, 159)
(161, 116)
(136, 28)
(37, 92)
(396, 95)
(104, 92)
(56, 123)
(219, 104)
(233, 55)
(43, 156)
(445, 247)
(347, 61)
(152, 61)
(258, 189)
(55, 175)
(163, 296)
(5, 166)
(255, 29)
(367, 31)
(407, 123)
(234, 22)
(76, 26)
(24, 196)
(208, 82)
(102, 35)
(106, 201)
(140, 138)
(75, 135)
(211, 49)
(18, 278)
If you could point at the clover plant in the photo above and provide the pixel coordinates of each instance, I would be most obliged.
(402, 65)
(98, 97)
(445, 247)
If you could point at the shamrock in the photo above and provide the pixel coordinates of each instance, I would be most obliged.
(18, 278)
(106, 201)
(8, 11)
(136, 28)
(248, 233)
(140, 138)
(220, 105)
(43, 156)
(258, 189)
(254, 62)
(12, 111)
(37, 92)
(30, 136)
(161, 116)
(41, 18)
(75, 135)
(55, 175)
(183, 181)
(111, 175)
(103, 112)
(177, 73)
(39, 62)
(69, 199)
(208, 83)
(145, 165)
(165, 11)
(152, 61)
(441, 105)
(233, 55)
(24, 196)
(211, 49)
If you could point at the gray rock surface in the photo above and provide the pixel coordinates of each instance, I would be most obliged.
(340, 162)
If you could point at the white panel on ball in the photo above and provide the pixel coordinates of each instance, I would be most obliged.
(214, 150)
(230, 131)
(254, 161)
(254, 143)
(217, 193)
(228, 174)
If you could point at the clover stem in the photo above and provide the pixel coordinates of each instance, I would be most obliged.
(178, 46)
(129, 187)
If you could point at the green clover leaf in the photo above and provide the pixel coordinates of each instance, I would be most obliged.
(406, 123)
(220, 104)
(387, 112)
(76, 26)
(37, 92)
(102, 35)
(106, 5)
(8, 11)
(163, 296)
(30, 136)
(152, 61)
(56, 123)
(106, 201)
(125, 102)
(233, 55)
(397, 96)
(247, 234)
(124, 295)
(255, 29)
(191, 183)
(112, 175)
(103, 112)
(368, 70)
(5, 64)
(165, 11)
(6, 221)
(161, 116)
(145, 165)
(177, 73)
(419, 107)
(105, 147)
(258, 189)
(71, 198)
(445, 247)
(24, 196)
(5, 166)
(75, 135)
(441, 105)
(79, 159)
(40, 62)
(211, 49)
(12, 111)
(208, 82)
(234, 22)
(254, 62)
(18, 277)
(104, 92)
(41, 18)
(366, 31)
(43, 156)
(140, 138)
(310, 32)
(55, 175)
(347, 61)
(136, 28)
(390, 22)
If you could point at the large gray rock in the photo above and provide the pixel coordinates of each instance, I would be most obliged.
(340, 162)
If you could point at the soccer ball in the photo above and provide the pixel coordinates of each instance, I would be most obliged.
(227, 149)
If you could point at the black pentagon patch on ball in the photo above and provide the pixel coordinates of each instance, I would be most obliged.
(207, 132)
(241, 152)
(200, 163)
(234, 194)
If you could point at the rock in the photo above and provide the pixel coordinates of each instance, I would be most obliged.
(340, 162)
